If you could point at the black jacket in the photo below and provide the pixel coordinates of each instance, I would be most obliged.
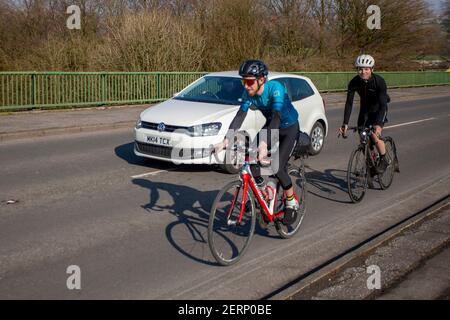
(373, 94)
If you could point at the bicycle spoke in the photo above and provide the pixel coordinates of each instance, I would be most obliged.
(229, 236)
(357, 175)
(299, 183)
(385, 179)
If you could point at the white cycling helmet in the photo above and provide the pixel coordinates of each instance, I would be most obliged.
(365, 61)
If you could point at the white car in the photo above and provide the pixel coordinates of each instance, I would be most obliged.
(183, 128)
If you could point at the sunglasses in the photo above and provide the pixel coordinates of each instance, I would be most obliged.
(248, 82)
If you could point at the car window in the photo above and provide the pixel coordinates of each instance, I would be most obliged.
(300, 89)
(287, 85)
(226, 90)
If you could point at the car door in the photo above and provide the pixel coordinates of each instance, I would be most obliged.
(260, 120)
(302, 97)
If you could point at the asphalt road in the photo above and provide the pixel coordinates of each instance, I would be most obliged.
(137, 228)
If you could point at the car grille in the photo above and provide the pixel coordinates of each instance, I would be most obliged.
(154, 150)
(154, 126)
(166, 152)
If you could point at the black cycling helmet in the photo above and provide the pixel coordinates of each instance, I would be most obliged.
(253, 68)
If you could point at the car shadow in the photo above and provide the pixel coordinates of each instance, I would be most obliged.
(330, 184)
(126, 152)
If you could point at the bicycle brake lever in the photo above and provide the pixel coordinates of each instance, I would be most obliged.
(265, 163)
(214, 153)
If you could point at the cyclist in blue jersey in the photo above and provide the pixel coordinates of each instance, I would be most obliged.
(271, 98)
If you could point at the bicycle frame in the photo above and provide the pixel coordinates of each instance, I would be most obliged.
(247, 179)
(246, 176)
(366, 143)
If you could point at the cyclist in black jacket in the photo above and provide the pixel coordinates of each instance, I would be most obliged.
(372, 90)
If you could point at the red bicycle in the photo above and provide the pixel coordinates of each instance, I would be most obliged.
(233, 215)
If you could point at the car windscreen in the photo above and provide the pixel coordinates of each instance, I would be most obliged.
(214, 89)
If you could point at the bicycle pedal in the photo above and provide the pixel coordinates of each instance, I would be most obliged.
(263, 223)
(288, 220)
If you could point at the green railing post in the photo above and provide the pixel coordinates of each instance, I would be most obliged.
(158, 86)
(33, 89)
(103, 78)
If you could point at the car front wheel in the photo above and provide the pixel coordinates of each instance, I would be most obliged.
(230, 166)
(317, 138)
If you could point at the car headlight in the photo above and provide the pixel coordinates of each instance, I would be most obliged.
(207, 129)
(139, 123)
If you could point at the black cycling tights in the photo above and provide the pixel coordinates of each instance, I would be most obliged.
(287, 138)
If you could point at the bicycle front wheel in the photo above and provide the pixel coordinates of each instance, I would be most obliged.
(385, 179)
(357, 175)
(228, 235)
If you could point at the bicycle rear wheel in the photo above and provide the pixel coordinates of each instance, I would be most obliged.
(228, 237)
(357, 175)
(299, 183)
(385, 179)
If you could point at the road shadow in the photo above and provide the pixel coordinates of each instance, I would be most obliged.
(330, 184)
(126, 153)
(188, 235)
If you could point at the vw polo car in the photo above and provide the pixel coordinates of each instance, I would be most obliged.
(183, 128)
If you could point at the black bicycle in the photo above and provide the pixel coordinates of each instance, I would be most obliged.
(363, 163)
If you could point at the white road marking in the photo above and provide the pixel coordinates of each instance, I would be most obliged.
(408, 123)
(151, 173)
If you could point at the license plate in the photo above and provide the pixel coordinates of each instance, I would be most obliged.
(158, 140)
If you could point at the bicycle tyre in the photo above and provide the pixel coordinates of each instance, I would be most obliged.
(357, 176)
(385, 179)
(224, 249)
(299, 183)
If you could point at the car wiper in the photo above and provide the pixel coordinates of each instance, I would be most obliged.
(207, 101)
(191, 99)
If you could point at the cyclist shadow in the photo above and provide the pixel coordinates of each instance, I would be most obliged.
(330, 184)
(188, 235)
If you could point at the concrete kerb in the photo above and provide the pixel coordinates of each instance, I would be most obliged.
(324, 275)
(64, 130)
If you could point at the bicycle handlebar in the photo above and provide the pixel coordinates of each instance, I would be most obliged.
(240, 148)
(368, 130)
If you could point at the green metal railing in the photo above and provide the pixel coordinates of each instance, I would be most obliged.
(26, 90)
(338, 81)
(66, 89)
